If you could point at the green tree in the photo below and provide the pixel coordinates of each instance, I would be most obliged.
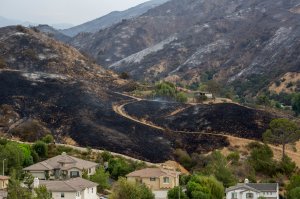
(263, 100)
(176, 193)
(101, 177)
(14, 157)
(48, 139)
(296, 103)
(15, 190)
(85, 174)
(130, 190)
(261, 158)
(294, 193)
(40, 148)
(217, 165)
(205, 188)
(294, 183)
(119, 167)
(28, 180)
(282, 131)
(181, 97)
(41, 192)
(28, 159)
(213, 87)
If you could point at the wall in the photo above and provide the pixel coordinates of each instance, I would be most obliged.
(3, 184)
(68, 195)
(38, 174)
(89, 193)
(153, 185)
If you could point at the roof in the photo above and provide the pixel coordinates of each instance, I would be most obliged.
(72, 185)
(257, 187)
(153, 172)
(177, 166)
(4, 177)
(63, 162)
(263, 186)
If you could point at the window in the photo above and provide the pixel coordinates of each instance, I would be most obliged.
(249, 195)
(234, 195)
(62, 195)
(74, 174)
(92, 190)
(152, 179)
(166, 180)
(90, 170)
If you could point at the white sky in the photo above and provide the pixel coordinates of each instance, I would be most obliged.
(61, 11)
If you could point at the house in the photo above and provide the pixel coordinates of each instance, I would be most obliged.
(74, 188)
(156, 178)
(253, 191)
(3, 186)
(3, 182)
(61, 167)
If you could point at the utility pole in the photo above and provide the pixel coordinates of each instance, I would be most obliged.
(3, 166)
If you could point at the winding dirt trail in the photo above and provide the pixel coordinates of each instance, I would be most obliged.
(233, 140)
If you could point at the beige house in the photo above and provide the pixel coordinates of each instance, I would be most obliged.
(3, 186)
(75, 188)
(155, 178)
(3, 182)
(61, 167)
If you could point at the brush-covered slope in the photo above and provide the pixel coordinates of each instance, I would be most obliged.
(247, 44)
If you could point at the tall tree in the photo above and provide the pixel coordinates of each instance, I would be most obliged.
(296, 103)
(282, 131)
(41, 192)
(15, 190)
(101, 177)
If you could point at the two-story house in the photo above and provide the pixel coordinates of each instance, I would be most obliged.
(253, 191)
(155, 178)
(74, 188)
(61, 167)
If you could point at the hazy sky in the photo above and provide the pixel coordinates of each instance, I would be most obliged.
(61, 11)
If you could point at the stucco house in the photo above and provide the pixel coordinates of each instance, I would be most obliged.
(3, 186)
(74, 188)
(61, 167)
(155, 178)
(253, 191)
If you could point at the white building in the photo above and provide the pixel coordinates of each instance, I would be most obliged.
(253, 191)
(75, 188)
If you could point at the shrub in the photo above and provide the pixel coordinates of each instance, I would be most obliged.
(40, 148)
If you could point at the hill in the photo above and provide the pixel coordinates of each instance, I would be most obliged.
(112, 18)
(247, 45)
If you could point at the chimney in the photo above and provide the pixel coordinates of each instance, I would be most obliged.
(36, 183)
(63, 153)
(246, 181)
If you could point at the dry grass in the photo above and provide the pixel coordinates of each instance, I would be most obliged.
(286, 79)
(240, 145)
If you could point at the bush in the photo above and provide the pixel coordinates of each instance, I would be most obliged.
(181, 97)
(261, 159)
(204, 187)
(101, 178)
(40, 148)
(130, 190)
(48, 139)
(174, 193)
(234, 157)
(119, 167)
(296, 103)
(184, 158)
(124, 75)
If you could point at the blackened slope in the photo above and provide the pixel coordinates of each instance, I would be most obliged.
(232, 119)
(68, 109)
